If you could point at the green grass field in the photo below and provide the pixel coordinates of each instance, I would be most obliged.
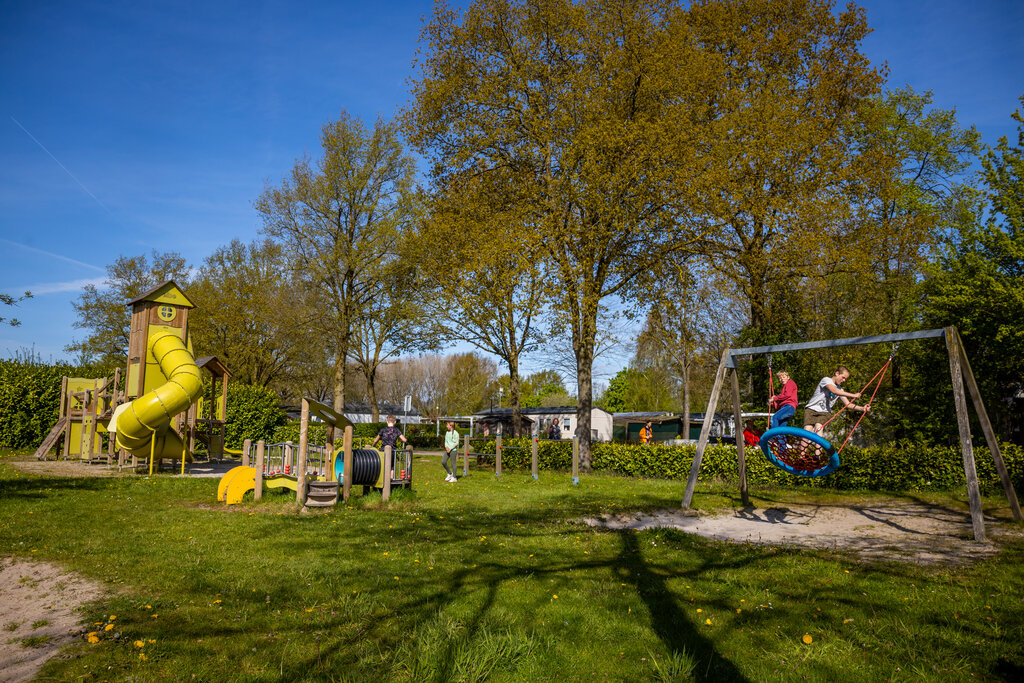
(491, 580)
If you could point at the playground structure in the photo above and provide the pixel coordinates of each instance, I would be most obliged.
(159, 413)
(534, 459)
(960, 372)
(316, 471)
(86, 406)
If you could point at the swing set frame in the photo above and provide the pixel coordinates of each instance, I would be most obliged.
(959, 370)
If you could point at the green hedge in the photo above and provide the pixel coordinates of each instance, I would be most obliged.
(253, 413)
(30, 399)
(899, 467)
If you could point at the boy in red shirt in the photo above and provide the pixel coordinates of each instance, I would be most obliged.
(784, 402)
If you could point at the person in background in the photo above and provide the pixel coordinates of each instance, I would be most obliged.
(646, 433)
(554, 433)
(751, 434)
(390, 435)
(451, 452)
(783, 402)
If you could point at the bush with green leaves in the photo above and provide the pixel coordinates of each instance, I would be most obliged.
(906, 466)
(30, 398)
(254, 412)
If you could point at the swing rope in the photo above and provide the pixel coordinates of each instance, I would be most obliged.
(805, 453)
(771, 389)
(880, 375)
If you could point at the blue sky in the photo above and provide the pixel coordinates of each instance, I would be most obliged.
(132, 126)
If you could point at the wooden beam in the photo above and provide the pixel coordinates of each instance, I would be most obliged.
(831, 343)
(741, 458)
(964, 427)
(986, 427)
(300, 474)
(705, 430)
(346, 472)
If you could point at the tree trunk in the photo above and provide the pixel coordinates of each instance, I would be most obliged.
(371, 390)
(514, 397)
(339, 392)
(584, 388)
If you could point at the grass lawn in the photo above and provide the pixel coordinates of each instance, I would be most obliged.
(491, 579)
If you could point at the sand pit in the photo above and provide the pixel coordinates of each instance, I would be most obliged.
(919, 533)
(38, 603)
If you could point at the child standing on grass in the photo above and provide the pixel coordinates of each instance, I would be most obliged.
(784, 402)
(451, 452)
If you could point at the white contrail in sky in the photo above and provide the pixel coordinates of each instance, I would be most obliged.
(52, 255)
(70, 286)
(43, 147)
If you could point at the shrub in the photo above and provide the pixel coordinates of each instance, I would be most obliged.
(253, 413)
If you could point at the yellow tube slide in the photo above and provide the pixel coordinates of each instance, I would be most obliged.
(149, 416)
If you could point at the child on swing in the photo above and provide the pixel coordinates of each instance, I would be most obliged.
(784, 402)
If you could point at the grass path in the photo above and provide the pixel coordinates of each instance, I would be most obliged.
(490, 579)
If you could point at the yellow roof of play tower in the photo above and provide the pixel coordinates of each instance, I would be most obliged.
(166, 293)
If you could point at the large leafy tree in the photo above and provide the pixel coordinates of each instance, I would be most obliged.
(246, 307)
(978, 285)
(488, 285)
(585, 112)
(103, 310)
(786, 79)
(395, 321)
(340, 219)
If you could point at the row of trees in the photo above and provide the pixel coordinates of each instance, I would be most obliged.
(727, 172)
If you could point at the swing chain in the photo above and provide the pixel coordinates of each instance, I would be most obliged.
(895, 348)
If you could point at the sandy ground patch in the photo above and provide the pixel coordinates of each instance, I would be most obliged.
(38, 616)
(919, 533)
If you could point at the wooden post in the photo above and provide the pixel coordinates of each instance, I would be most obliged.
(705, 430)
(246, 448)
(497, 455)
(388, 454)
(986, 427)
(258, 490)
(741, 458)
(94, 414)
(329, 447)
(533, 458)
(465, 453)
(346, 463)
(964, 427)
(65, 409)
(300, 475)
(575, 459)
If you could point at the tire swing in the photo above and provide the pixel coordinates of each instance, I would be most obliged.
(798, 451)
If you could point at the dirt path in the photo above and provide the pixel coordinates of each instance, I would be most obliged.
(919, 533)
(38, 614)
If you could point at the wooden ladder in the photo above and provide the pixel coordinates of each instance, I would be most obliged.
(51, 438)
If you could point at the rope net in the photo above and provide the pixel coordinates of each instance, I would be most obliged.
(798, 453)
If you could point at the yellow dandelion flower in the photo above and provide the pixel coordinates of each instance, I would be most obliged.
(108, 627)
(708, 622)
(93, 639)
(554, 597)
(112, 617)
(152, 640)
(154, 616)
(142, 656)
(149, 607)
(216, 602)
(139, 643)
(309, 610)
(807, 639)
(699, 610)
(847, 621)
(738, 610)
